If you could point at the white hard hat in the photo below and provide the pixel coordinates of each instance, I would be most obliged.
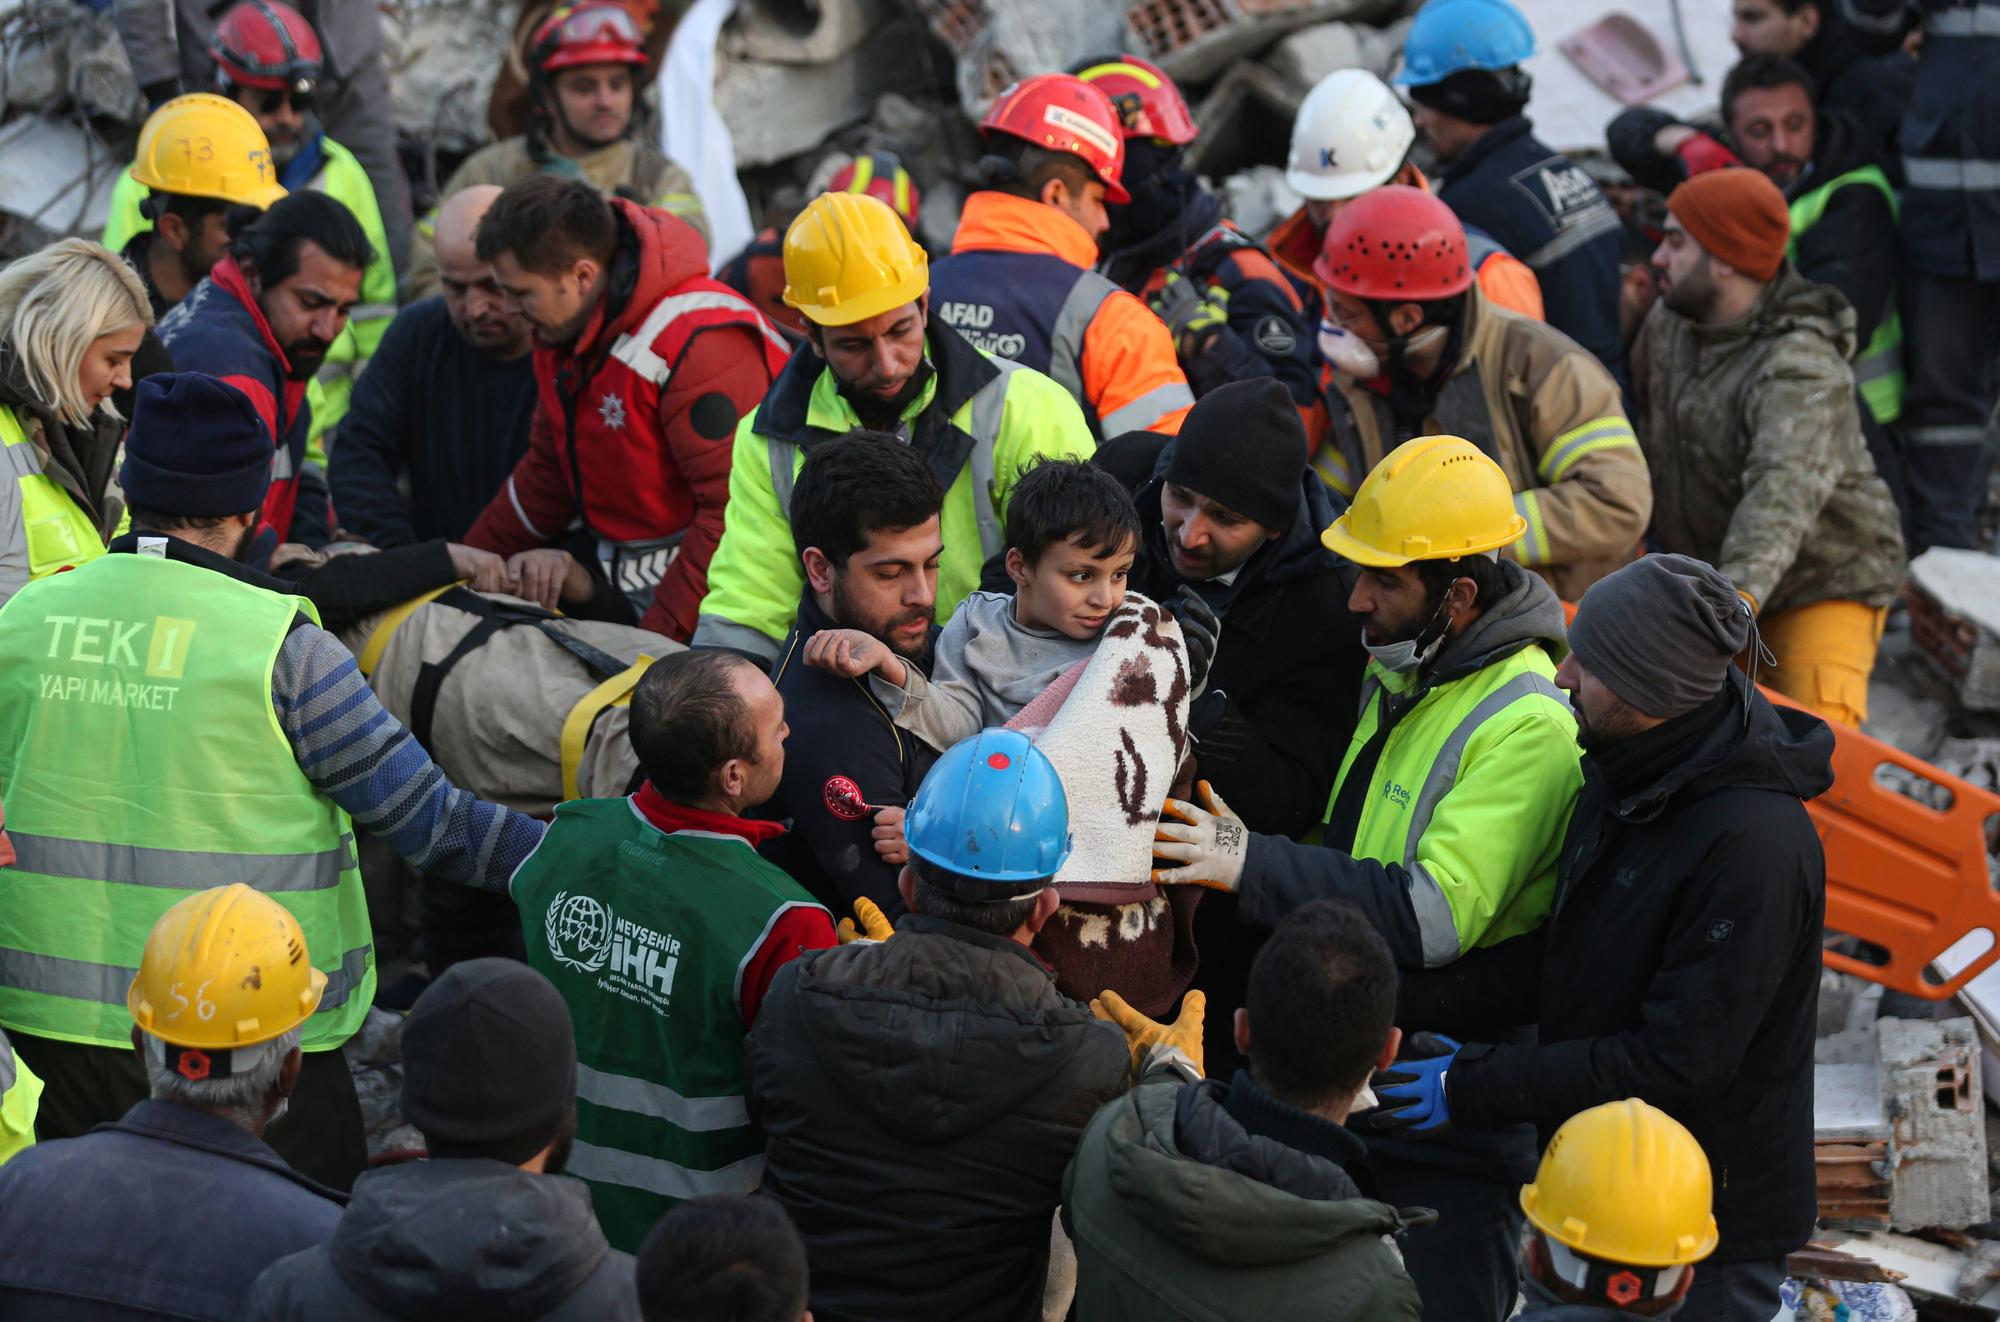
(1351, 135)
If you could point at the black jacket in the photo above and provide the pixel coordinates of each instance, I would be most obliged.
(922, 1098)
(840, 737)
(1681, 962)
(1874, 90)
(458, 1238)
(1545, 210)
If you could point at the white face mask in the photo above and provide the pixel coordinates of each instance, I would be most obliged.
(1351, 356)
(1410, 654)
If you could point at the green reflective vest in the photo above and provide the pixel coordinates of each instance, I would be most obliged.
(646, 936)
(141, 760)
(1472, 796)
(1878, 369)
(20, 1099)
(755, 579)
(54, 531)
(342, 178)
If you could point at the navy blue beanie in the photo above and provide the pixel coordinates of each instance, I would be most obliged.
(197, 448)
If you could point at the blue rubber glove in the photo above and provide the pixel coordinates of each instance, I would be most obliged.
(1410, 1094)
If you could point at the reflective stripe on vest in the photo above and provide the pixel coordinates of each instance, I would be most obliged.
(54, 532)
(141, 760)
(1079, 309)
(1878, 368)
(1978, 21)
(1945, 174)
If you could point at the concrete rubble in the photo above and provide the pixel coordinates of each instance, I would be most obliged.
(1953, 598)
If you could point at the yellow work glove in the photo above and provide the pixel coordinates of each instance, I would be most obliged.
(1193, 315)
(874, 926)
(1143, 1034)
(1207, 840)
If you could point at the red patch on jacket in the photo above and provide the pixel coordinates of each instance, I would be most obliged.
(843, 799)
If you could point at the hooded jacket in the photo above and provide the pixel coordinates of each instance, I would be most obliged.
(455, 1238)
(1681, 960)
(633, 428)
(1178, 1210)
(922, 1097)
(1752, 431)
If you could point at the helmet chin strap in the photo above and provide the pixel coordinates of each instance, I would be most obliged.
(1411, 396)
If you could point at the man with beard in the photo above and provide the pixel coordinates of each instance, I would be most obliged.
(1747, 406)
(865, 519)
(1447, 813)
(490, 1224)
(1232, 312)
(586, 65)
(264, 320)
(215, 730)
(1416, 349)
(1690, 841)
(875, 358)
(643, 365)
(445, 410)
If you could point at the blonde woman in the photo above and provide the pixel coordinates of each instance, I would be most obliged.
(71, 317)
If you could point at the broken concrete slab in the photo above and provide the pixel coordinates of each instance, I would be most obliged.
(1196, 40)
(1954, 602)
(1934, 1271)
(1258, 198)
(777, 111)
(996, 42)
(803, 31)
(1310, 54)
(1246, 119)
(442, 62)
(1930, 1080)
(55, 182)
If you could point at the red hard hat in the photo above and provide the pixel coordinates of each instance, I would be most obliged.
(1148, 103)
(1064, 113)
(1396, 244)
(266, 44)
(594, 32)
(882, 176)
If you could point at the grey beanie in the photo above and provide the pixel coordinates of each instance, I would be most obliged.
(1661, 633)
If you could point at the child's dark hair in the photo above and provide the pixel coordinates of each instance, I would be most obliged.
(1057, 499)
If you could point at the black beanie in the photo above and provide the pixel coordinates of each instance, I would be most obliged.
(1661, 633)
(1478, 96)
(197, 448)
(489, 1062)
(1242, 445)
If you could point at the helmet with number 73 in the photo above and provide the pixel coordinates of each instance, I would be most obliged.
(1064, 113)
(204, 145)
(222, 969)
(992, 819)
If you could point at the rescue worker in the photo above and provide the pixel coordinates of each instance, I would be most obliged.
(1415, 348)
(584, 65)
(643, 366)
(1447, 815)
(876, 358)
(171, 1208)
(206, 724)
(663, 931)
(1873, 89)
(1620, 1216)
(1019, 283)
(1351, 136)
(1462, 64)
(265, 319)
(924, 1093)
(268, 61)
(758, 272)
(1951, 255)
(1231, 310)
(72, 316)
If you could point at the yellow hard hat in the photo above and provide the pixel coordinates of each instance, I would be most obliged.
(1432, 498)
(1624, 1182)
(225, 968)
(848, 258)
(203, 145)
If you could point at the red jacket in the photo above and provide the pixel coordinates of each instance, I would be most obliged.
(636, 417)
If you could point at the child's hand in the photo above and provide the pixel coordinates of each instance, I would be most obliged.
(852, 654)
(890, 844)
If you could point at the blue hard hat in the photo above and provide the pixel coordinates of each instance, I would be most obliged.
(992, 810)
(1451, 36)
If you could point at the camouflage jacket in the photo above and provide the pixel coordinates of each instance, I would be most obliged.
(1752, 431)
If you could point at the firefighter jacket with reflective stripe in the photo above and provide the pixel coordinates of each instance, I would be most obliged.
(650, 934)
(1549, 414)
(978, 422)
(50, 531)
(1018, 284)
(141, 760)
(1878, 369)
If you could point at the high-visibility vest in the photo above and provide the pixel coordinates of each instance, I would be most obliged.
(646, 935)
(1878, 368)
(20, 1099)
(141, 760)
(57, 532)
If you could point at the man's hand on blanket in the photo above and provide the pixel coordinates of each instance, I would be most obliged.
(1209, 841)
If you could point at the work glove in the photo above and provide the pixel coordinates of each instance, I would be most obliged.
(1410, 1094)
(875, 926)
(1142, 1035)
(1194, 316)
(1208, 841)
(1201, 630)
